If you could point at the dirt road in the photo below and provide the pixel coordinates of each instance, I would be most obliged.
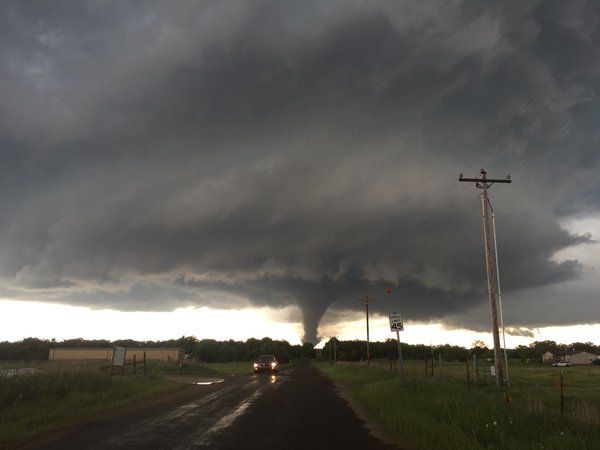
(295, 409)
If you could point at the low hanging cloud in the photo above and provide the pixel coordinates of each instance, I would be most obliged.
(268, 154)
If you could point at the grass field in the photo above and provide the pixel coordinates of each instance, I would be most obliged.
(200, 369)
(63, 394)
(444, 412)
(154, 367)
(33, 405)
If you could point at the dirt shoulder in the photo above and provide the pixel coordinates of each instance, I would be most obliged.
(98, 426)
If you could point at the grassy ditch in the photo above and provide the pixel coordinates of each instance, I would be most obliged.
(200, 369)
(444, 412)
(62, 394)
(153, 367)
(33, 405)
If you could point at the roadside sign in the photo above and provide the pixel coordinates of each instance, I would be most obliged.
(118, 356)
(396, 323)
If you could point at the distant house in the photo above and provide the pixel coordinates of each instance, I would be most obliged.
(580, 357)
(548, 358)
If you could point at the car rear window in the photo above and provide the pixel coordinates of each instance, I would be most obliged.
(266, 358)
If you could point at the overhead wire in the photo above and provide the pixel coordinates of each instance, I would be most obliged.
(533, 98)
(561, 130)
(503, 129)
(450, 188)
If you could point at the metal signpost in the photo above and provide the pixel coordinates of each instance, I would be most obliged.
(397, 325)
(118, 360)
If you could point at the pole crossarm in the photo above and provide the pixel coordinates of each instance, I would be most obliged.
(483, 182)
(489, 180)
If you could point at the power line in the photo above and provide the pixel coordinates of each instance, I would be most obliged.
(449, 190)
(561, 130)
(535, 96)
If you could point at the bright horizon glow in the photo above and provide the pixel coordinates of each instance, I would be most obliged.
(48, 320)
(437, 334)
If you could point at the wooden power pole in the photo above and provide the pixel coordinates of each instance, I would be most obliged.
(484, 183)
(366, 301)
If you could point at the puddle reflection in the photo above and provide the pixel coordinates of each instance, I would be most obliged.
(206, 383)
(270, 378)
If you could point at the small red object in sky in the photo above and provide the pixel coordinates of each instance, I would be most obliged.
(388, 291)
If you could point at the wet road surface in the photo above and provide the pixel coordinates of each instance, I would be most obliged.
(295, 409)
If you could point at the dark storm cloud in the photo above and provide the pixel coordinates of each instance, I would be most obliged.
(282, 153)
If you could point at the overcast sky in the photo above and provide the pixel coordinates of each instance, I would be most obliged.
(262, 154)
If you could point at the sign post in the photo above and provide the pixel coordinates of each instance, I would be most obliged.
(397, 325)
(118, 359)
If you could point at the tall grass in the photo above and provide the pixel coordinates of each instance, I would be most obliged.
(442, 412)
(33, 405)
(54, 385)
(200, 369)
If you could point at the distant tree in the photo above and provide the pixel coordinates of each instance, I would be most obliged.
(479, 348)
(187, 343)
(308, 350)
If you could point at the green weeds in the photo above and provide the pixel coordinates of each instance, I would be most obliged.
(32, 405)
(443, 412)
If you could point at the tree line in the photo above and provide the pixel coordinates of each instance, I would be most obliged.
(206, 350)
(356, 350)
(210, 350)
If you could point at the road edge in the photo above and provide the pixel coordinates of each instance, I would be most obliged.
(370, 424)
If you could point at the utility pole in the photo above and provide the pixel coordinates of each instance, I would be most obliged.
(484, 184)
(366, 301)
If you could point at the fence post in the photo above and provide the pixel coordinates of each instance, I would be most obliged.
(562, 397)
(440, 357)
(468, 377)
(144, 363)
(475, 371)
(134, 364)
(426, 368)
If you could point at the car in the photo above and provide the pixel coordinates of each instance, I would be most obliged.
(562, 364)
(266, 363)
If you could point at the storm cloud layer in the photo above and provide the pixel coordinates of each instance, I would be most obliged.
(157, 155)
